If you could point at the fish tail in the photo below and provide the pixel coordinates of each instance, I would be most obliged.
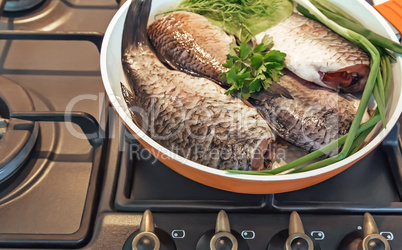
(135, 24)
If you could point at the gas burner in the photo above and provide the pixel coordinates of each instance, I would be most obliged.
(18, 137)
(21, 5)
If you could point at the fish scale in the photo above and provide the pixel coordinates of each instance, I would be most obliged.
(181, 39)
(314, 117)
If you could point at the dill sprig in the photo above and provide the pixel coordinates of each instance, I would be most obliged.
(242, 18)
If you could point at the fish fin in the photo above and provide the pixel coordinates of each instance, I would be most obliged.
(127, 94)
(129, 98)
(165, 63)
(276, 127)
(223, 84)
(173, 66)
(348, 96)
(135, 25)
(274, 91)
(278, 90)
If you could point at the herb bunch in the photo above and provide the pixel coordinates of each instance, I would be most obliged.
(252, 69)
(242, 18)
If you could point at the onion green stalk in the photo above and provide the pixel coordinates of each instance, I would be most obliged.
(342, 18)
(385, 79)
(325, 5)
(379, 97)
(323, 163)
(367, 127)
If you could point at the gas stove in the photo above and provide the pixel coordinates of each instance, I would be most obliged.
(72, 176)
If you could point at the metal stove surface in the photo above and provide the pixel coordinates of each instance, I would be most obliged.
(71, 194)
(51, 200)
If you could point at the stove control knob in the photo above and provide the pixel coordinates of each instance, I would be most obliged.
(297, 239)
(367, 239)
(294, 238)
(222, 238)
(148, 237)
(372, 240)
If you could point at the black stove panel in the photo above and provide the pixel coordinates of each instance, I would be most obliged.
(144, 182)
(369, 181)
(327, 230)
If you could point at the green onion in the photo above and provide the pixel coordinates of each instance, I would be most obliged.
(380, 98)
(339, 16)
(325, 5)
(367, 127)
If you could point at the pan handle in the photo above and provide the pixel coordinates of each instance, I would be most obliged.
(391, 10)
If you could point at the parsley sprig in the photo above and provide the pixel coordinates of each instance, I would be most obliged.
(252, 69)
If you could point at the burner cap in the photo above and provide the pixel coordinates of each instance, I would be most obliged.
(21, 5)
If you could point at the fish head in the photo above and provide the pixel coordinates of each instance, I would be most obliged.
(350, 79)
